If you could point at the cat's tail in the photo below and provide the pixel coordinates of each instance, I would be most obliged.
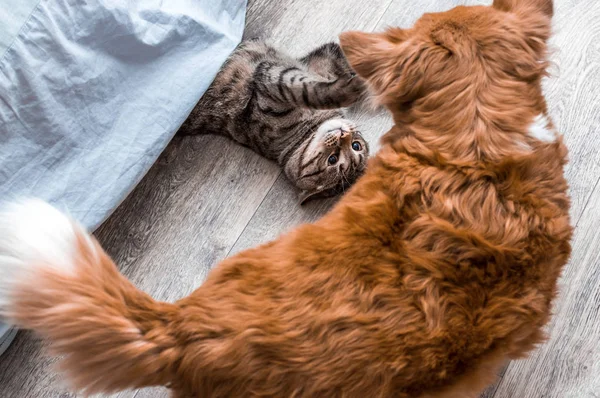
(56, 279)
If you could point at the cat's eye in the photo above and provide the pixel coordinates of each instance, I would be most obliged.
(356, 146)
(332, 159)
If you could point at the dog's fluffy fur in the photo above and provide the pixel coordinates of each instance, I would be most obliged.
(437, 267)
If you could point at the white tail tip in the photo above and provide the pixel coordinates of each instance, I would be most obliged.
(33, 234)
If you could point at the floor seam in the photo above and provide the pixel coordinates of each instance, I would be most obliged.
(382, 15)
(252, 216)
(587, 202)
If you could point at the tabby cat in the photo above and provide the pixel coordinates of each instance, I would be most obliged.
(288, 110)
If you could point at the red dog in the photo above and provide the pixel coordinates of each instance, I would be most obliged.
(438, 266)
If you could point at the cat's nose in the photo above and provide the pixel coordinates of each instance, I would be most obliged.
(345, 137)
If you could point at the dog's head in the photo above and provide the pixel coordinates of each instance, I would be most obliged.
(456, 53)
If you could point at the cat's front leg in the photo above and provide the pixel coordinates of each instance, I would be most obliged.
(292, 85)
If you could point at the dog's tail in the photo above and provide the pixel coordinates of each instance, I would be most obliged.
(56, 280)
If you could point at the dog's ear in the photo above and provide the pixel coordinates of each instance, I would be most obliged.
(545, 7)
(379, 59)
(397, 68)
(372, 56)
(532, 29)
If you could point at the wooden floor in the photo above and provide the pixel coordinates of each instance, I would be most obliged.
(207, 198)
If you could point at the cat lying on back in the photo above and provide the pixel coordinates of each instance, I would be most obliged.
(288, 110)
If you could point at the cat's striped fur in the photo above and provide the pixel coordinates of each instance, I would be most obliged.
(288, 110)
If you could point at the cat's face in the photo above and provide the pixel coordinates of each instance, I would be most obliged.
(333, 160)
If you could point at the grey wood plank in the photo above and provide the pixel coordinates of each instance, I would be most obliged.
(573, 94)
(155, 392)
(182, 219)
(30, 373)
(560, 367)
(568, 365)
(280, 211)
(298, 26)
(26, 355)
(574, 102)
(186, 214)
(193, 204)
(185, 217)
(174, 216)
(491, 390)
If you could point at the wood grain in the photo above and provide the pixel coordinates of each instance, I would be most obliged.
(185, 216)
(298, 26)
(573, 93)
(182, 219)
(568, 365)
(207, 198)
(190, 209)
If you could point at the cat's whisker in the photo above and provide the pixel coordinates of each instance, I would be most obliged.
(344, 178)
